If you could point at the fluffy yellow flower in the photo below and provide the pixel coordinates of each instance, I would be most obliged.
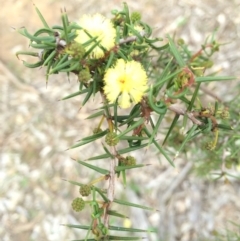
(126, 80)
(97, 26)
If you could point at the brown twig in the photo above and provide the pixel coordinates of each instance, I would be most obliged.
(210, 93)
(131, 38)
(111, 179)
(200, 52)
(178, 110)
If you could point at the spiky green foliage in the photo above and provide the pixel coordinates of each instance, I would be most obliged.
(175, 75)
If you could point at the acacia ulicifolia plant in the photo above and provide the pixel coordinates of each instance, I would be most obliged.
(138, 77)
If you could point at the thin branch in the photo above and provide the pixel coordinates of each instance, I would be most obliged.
(131, 38)
(113, 163)
(190, 115)
(210, 93)
(111, 186)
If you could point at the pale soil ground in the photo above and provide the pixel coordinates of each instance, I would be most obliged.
(36, 129)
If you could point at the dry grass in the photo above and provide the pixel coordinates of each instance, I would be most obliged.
(36, 129)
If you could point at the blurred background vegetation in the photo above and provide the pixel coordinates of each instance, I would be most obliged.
(36, 129)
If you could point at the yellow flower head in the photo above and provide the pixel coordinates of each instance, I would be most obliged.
(126, 80)
(97, 26)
